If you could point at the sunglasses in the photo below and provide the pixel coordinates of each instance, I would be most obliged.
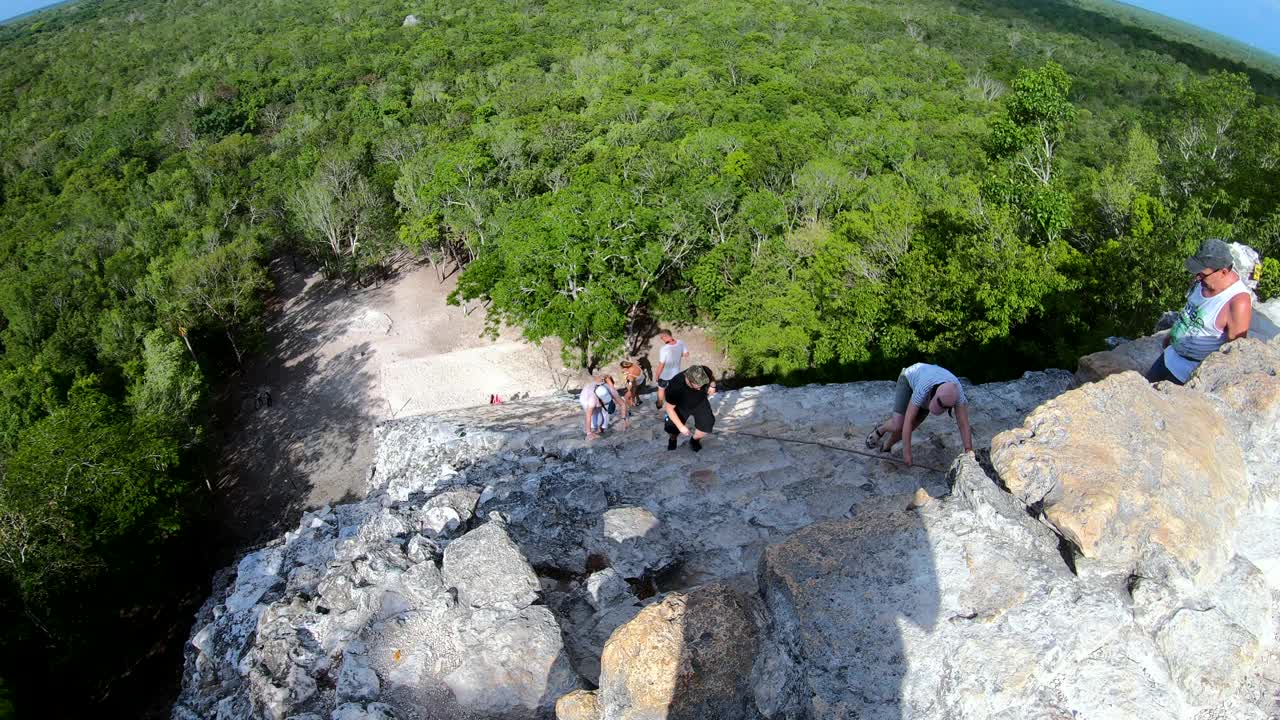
(1206, 274)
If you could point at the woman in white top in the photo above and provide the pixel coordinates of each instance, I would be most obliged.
(600, 399)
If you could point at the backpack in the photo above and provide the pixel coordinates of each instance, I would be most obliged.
(1247, 264)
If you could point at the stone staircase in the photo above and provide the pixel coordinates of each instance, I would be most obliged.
(503, 566)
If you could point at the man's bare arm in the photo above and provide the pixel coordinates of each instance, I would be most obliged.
(1239, 316)
(962, 419)
(675, 419)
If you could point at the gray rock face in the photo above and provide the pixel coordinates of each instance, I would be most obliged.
(501, 563)
(488, 569)
(965, 621)
(515, 668)
(555, 516)
(636, 542)
(589, 615)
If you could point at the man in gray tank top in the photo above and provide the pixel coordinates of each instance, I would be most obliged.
(1218, 310)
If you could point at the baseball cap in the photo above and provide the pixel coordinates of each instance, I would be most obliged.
(697, 375)
(1214, 254)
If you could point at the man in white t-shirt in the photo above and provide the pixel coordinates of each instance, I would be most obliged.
(671, 354)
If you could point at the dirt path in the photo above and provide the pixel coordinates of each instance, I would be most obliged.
(340, 361)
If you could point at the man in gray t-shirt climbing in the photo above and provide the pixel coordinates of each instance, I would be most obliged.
(922, 390)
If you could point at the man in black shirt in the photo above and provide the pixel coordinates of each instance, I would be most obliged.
(686, 396)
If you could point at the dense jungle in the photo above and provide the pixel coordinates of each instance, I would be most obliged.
(832, 188)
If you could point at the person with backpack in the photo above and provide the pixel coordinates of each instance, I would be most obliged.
(1218, 310)
(600, 400)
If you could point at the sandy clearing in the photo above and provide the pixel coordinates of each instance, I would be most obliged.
(338, 362)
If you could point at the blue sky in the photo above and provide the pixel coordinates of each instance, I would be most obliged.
(1256, 22)
(9, 8)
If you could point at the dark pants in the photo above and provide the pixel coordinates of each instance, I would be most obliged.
(703, 419)
(1159, 372)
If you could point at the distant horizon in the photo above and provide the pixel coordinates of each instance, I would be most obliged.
(10, 9)
(1255, 23)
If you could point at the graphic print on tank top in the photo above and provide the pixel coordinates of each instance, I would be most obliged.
(1190, 321)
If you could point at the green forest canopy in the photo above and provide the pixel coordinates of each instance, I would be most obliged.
(834, 188)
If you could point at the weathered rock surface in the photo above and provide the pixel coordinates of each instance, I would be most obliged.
(578, 705)
(1139, 479)
(961, 608)
(1136, 355)
(689, 656)
(1265, 325)
(488, 569)
(501, 564)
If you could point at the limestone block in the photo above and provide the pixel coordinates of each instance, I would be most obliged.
(689, 656)
(928, 614)
(588, 616)
(439, 521)
(463, 502)
(257, 573)
(488, 568)
(356, 680)
(578, 705)
(1207, 653)
(1136, 479)
(1136, 355)
(358, 711)
(518, 667)
(555, 517)
(636, 542)
(1244, 376)
(605, 588)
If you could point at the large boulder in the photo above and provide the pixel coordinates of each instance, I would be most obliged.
(555, 516)
(1136, 355)
(1265, 325)
(1245, 376)
(636, 542)
(947, 612)
(515, 668)
(488, 569)
(1140, 480)
(689, 656)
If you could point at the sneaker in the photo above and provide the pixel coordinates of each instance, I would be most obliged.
(671, 442)
(695, 444)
